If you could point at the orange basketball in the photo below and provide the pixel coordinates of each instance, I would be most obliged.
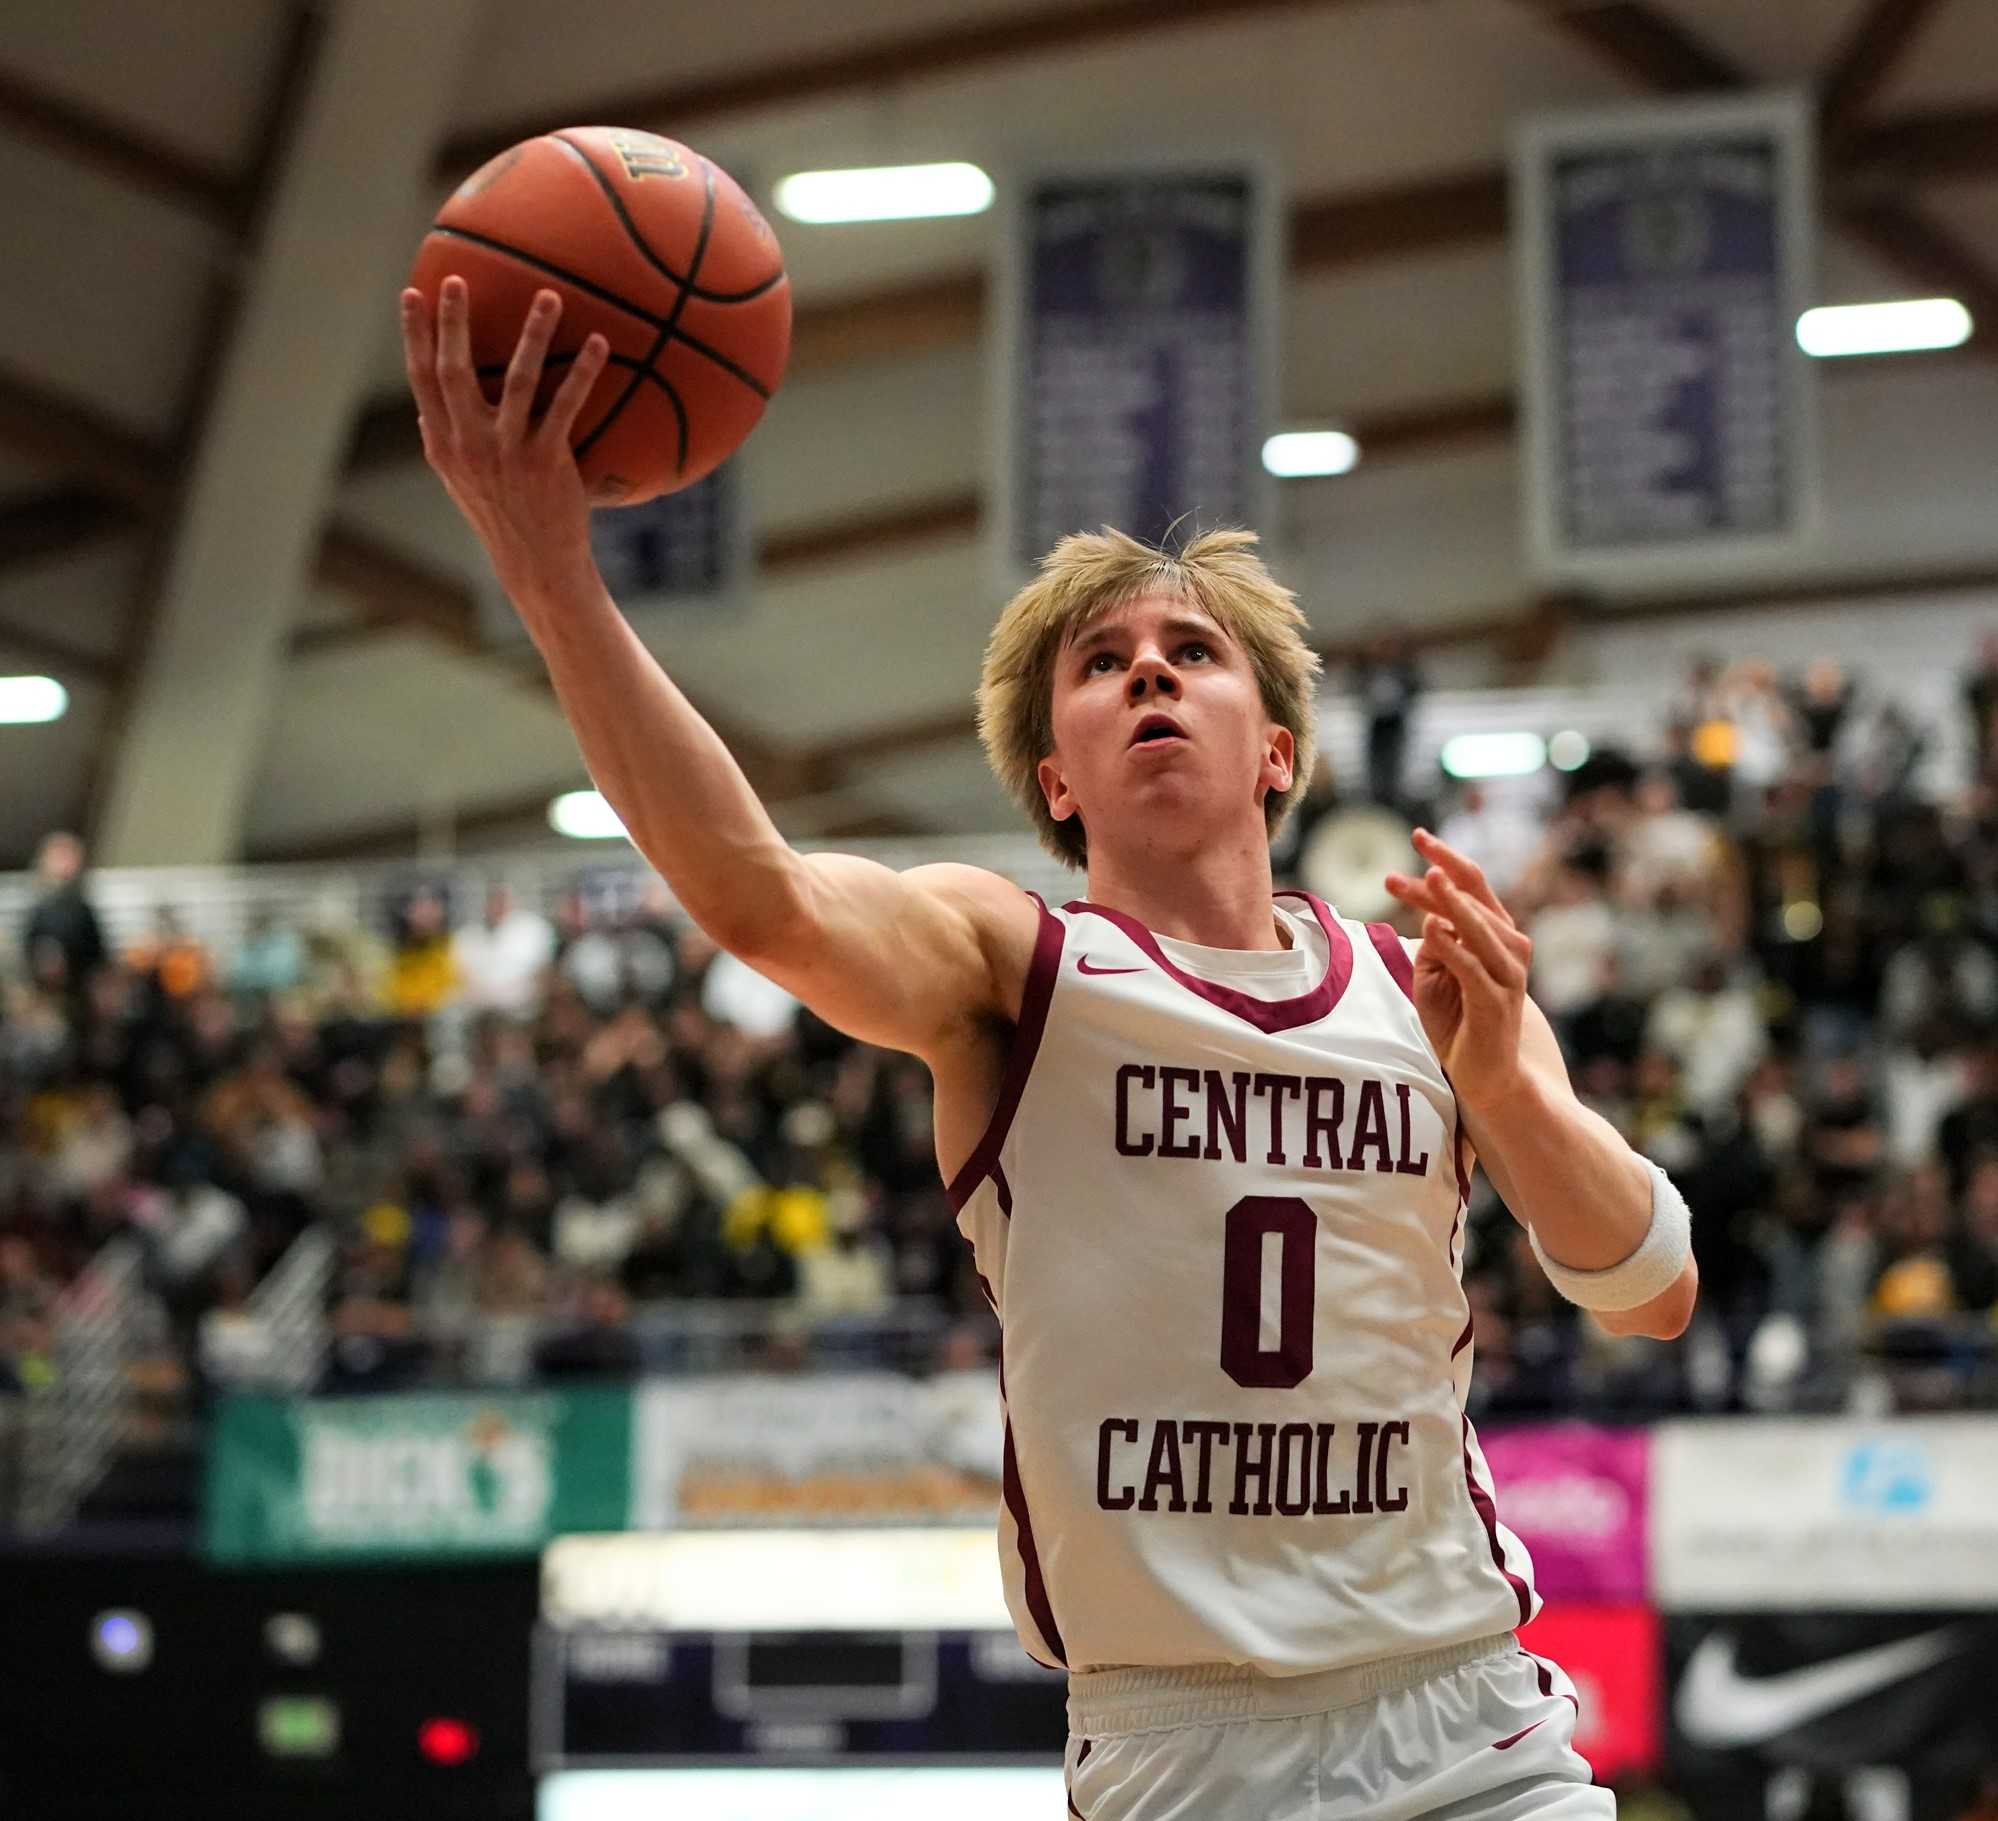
(649, 245)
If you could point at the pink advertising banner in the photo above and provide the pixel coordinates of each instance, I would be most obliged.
(1575, 1495)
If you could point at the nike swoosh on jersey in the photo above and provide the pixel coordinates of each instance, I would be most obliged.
(1719, 1706)
(1082, 967)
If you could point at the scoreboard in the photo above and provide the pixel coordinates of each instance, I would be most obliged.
(785, 1648)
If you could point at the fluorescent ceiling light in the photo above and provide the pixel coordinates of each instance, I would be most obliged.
(585, 816)
(890, 192)
(1494, 755)
(1884, 328)
(1296, 453)
(1568, 750)
(28, 699)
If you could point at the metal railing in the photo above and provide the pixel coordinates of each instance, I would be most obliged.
(73, 1424)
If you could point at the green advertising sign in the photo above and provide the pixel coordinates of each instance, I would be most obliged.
(347, 1479)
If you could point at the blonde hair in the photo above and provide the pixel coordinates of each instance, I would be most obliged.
(1088, 575)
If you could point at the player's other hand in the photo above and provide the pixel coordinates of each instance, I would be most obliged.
(1470, 976)
(513, 476)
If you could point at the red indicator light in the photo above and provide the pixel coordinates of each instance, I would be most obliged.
(447, 1741)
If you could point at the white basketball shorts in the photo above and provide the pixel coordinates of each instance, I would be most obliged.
(1476, 1732)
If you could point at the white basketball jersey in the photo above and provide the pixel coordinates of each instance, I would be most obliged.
(1222, 1233)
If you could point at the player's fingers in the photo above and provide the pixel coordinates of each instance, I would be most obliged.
(560, 417)
(1477, 930)
(1461, 868)
(523, 371)
(455, 377)
(419, 362)
(1473, 978)
(1417, 894)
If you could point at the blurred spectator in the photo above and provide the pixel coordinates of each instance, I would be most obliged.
(63, 941)
(1494, 830)
(1980, 700)
(173, 961)
(1388, 684)
(500, 959)
(1574, 943)
(271, 960)
(422, 974)
(596, 1343)
(1713, 1028)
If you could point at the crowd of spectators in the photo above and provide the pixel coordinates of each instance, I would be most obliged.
(516, 1129)
(1772, 962)
(1771, 959)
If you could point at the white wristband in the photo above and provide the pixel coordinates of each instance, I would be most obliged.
(1649, 1271)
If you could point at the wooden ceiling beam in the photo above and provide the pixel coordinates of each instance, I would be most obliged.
(1908, 148)
(120, 153)
(1640, 42)
(81, 441)
(875, 64)
(1933, 260)
(1430, 215)
(66, 662)
(1865, 62)
(277, 120)
(66, 521)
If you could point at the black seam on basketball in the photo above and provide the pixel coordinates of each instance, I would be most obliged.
(666, 328)
(650, 318)
(639, 371)
(611, 297)
(639, 241)
(684, 340)
(679, 409)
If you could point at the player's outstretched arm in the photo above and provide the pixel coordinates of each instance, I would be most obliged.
(1563, 1171)
(902, 959)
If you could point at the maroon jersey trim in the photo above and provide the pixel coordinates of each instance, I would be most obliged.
(1033, 1019)
(1015, 1495)
(1264, 1014)
(1488, 1516)
(1388, 946)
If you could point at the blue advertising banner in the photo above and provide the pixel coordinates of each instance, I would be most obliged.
(1664, 261)
(1134, 382)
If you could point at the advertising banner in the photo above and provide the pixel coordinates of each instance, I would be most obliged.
(1795, 1515)
(1665, 255)
(852, 1447)
(1613, 1656)
(1576, 1496)
(1886, 1716)
(414, 1475)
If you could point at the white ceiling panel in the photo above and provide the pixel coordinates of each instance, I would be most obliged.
(105, 288)
(1952, 63)
(373, 734)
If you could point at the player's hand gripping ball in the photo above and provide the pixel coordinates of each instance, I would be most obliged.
(654, 248)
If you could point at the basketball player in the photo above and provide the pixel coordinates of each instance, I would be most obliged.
(1211, 1145)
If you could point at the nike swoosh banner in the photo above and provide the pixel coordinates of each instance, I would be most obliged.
(1887, 1713)
(1900, 1515)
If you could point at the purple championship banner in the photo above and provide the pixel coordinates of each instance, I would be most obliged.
(1134, 375)
(684, 551)
(1664, 257)
(680, 547)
